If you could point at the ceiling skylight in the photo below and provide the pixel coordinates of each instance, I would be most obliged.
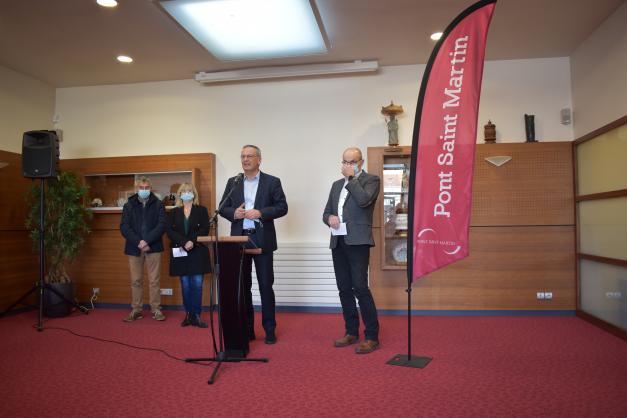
(250, 29)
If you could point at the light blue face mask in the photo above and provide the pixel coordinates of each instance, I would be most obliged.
(187, 196)
(143, 194)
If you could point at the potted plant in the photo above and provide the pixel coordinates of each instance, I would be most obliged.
(65, 228)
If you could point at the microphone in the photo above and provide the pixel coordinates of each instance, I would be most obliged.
(238, 178)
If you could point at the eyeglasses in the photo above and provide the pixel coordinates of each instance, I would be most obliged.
(248, 156)
(350, 162)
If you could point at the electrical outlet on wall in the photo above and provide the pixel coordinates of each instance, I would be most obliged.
(540, 295)
(548, 295)
(96, 291)
(166, 292)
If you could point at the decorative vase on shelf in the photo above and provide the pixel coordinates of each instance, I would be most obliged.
(530, 128)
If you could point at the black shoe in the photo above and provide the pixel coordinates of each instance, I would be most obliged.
(197, 322)
(186, 321)
(270, 338)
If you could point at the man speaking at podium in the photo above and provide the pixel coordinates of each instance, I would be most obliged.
(256, 200)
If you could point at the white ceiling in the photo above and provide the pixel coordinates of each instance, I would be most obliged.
(75, 42)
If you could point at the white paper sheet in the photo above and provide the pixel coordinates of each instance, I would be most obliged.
(340, 231)
(179, 252)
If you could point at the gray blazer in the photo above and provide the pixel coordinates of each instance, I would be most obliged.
(358, 208)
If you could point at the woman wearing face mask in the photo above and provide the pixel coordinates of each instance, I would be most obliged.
(189, 259)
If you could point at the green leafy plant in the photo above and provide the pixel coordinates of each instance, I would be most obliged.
(65, 222)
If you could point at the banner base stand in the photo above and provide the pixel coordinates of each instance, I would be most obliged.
(409, 361)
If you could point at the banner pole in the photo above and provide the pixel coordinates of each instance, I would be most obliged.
(409, 360)
(409, 320)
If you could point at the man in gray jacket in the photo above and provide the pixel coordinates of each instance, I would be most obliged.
(349, 215)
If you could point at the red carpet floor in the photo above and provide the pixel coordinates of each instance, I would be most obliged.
(482, 366)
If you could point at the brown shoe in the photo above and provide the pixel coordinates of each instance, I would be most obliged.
(156, 314)
(133, 316)
(367, 346)
(346, 340)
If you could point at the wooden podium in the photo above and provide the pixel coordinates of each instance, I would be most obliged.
(231, 302)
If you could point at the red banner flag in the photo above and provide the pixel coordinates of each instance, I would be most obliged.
(443, 149)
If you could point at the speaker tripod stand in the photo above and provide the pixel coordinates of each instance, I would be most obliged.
(41, 287)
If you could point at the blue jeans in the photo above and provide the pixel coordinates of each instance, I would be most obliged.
(191, 287)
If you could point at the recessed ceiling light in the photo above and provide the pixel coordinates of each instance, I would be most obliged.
(124, 58)
(250, 29)
(436, 36)
(107, 3)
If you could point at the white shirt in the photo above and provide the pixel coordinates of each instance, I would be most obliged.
(250, 192)
(343, 196)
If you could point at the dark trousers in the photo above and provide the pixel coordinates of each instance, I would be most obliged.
(350, 263)
(265, 279)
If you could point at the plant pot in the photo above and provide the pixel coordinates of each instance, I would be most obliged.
(54, 306)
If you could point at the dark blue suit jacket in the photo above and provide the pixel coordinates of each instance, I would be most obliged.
(270, 201)
(143, 223)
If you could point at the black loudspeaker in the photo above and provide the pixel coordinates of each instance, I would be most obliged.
(40, 154)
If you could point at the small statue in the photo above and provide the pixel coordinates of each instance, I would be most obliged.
(530, 128)
(96, 202)
(391, 111)
(392, 131)
(489, 133)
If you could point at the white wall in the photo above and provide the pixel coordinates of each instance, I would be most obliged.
(302, 126)
(599, 75)
(26, 104)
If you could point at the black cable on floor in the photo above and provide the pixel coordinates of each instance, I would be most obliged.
(158, 350)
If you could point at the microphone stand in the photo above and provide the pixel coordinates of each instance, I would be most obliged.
(220, 355)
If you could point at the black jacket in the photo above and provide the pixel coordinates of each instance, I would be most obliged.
(270, 201)
(143, 222)
(197, 260)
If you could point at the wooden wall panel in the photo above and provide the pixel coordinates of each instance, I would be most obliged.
(19, 265)
(103, 264)
(522, 238)
(505, 269)
(534, 188)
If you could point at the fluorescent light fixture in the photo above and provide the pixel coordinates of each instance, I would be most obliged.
(250, 29)
(287, 71)
(124, 58)
(107, 3)
(436, 35)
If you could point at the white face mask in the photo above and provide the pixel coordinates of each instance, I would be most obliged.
(187, 196)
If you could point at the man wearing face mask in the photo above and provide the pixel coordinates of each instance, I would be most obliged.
(348, 214)
(143, 224)
(189, 258)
